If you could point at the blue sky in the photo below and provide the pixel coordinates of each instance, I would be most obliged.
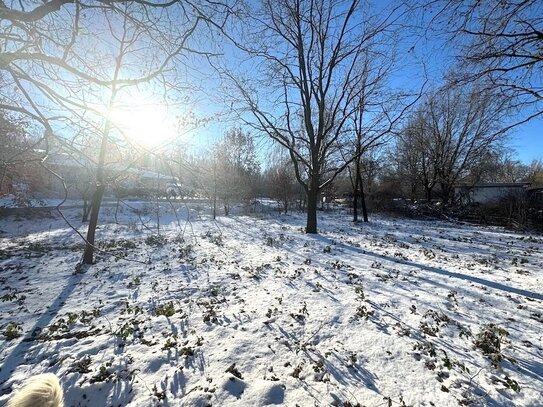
(423, 46)
(416, 48)
(527, 140)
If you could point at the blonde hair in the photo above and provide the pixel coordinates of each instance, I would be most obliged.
(40, 391)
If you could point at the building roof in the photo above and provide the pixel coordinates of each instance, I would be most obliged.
(495, 185)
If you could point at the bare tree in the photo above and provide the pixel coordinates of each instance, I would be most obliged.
(535, 173)
(71, 61)
(376, 114)
(16, 149)
(415, 156)
(500, 42)
(129, 42)
(497, 165)
(281, 181)
(235, 168)
(374, 72)
(458, 126)
(309, 52)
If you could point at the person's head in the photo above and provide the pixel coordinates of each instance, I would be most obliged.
(40, 391)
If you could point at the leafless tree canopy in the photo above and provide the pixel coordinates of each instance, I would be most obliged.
(235, 168)
(449, 134)
(310, 74)
(68, 63)
(500, 41)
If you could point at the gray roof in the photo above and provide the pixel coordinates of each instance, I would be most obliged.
(495, 185)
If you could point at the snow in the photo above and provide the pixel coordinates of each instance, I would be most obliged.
(249, 310)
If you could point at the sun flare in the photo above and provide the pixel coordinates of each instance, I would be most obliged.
(143, 122)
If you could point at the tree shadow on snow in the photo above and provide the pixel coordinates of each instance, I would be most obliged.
(532, 367)
(115, 392)
(23, 350)
(177, 383)
(529, 366)
(451, 274)
(358, 374)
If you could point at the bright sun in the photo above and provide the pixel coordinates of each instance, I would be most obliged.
(144, 122)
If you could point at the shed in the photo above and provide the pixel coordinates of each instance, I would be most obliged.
(490, 192)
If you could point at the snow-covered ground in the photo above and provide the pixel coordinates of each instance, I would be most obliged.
(250, 311)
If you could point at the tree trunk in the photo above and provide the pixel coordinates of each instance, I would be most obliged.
(117, 211)
(413, 192)
(88, 255)
(446, 194)
(359, 192)
(363, 200)
(355, 204)
(86, 210)
(312, 202)
(157, 216)
(214, 190)
(428, 194)
(2, 180)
